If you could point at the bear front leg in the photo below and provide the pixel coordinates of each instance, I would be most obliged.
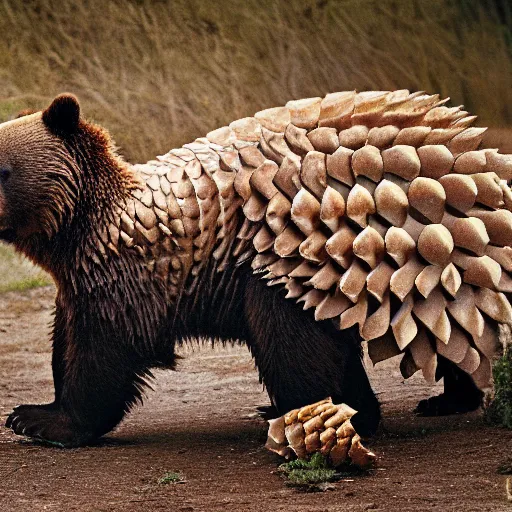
(96, 382)
(95, 393)
(39, 421)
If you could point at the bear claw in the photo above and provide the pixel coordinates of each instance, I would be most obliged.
(45, 423)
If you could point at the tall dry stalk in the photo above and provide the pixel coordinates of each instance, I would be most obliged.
(158, 74)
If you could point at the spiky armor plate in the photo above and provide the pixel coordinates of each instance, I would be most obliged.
(373, 208)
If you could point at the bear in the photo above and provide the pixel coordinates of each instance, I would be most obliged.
(146, 257)
(60, 181)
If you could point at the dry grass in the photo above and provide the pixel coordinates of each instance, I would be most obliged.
(160, 73)
(17, 273)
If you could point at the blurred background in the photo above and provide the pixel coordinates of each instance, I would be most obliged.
(159, 73)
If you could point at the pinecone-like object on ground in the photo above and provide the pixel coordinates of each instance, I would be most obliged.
(320, 427)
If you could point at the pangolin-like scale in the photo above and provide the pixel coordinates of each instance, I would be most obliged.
(373, 208)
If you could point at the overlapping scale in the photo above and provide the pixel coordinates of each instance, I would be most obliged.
(374, 209)
(386, 195)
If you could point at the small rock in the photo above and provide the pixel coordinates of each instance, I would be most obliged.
(324, 486)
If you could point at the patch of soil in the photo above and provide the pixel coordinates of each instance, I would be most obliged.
(200, 422)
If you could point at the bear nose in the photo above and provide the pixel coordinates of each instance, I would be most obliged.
(4, 175)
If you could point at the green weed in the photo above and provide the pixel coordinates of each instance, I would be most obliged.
(171, 477)
(26, 283)
(500, 409)
(505, 468)
(302, 472)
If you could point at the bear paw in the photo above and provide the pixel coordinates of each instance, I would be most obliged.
(444, 405)
(45, 423)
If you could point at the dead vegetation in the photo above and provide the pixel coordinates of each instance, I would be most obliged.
(161, 73)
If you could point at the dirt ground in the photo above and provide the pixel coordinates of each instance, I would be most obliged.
(200, 421)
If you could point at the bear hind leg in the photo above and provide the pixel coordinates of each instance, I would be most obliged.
(302, 361)
(460, 394)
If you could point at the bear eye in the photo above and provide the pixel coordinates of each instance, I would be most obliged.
(4, 175)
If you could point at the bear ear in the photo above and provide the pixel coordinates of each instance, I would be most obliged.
(63, 115)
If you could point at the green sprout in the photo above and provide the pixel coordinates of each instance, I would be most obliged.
(500, 409)
(171, 477)
(302, 472)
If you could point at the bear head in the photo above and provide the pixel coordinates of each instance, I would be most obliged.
(38, 172)
(58, 175)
